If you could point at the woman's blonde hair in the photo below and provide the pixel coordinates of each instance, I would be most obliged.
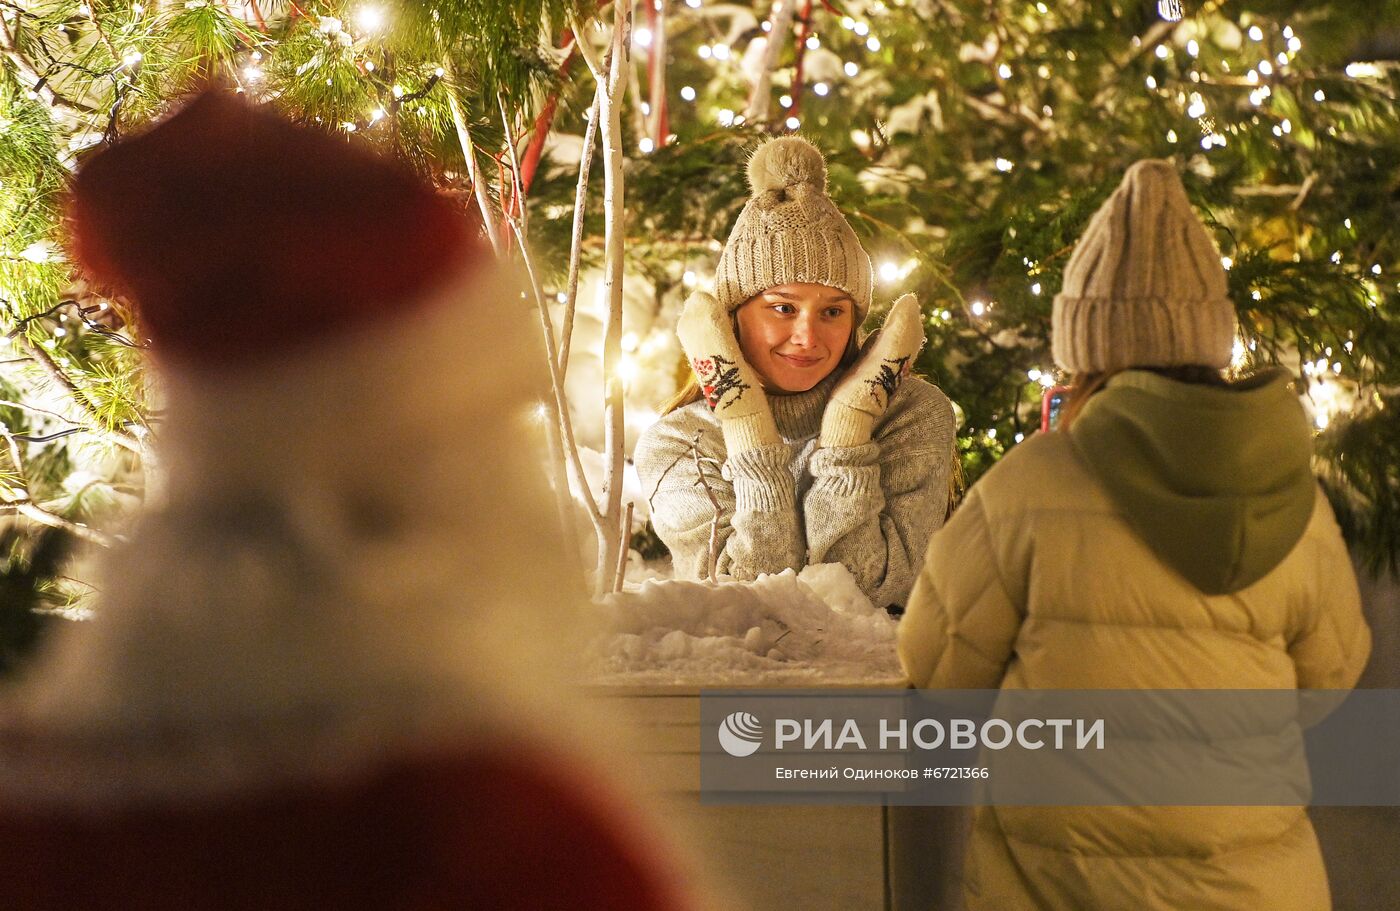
(1083, 386)
(690, 392)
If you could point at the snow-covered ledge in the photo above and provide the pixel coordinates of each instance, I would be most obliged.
(667, 640)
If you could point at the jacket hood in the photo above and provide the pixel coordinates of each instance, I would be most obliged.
(1216, 480)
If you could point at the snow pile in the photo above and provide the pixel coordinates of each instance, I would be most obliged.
(815, 628)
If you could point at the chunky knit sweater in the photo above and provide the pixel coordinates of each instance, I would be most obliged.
(790, 504)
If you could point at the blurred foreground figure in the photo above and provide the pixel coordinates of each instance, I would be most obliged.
(330, 671)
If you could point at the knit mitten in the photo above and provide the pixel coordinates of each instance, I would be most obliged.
(730, 386)
(864, 392)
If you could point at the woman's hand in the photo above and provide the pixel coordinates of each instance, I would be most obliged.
(863, 394)
(728, 383)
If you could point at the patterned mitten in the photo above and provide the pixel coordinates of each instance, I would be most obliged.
(730, 386)
(864, 392)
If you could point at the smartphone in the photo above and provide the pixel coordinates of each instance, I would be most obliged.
(1051, 405)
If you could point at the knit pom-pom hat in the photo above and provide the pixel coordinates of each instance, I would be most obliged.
(237, 233)
(791, 231)
(1145, 286)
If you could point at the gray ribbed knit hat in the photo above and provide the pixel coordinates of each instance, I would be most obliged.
(791, 231)
(1145, 287)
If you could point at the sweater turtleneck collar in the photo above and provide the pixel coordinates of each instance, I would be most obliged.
(799, 414)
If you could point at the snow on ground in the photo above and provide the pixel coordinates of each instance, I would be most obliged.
(813, 628)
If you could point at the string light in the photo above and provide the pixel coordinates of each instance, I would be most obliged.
(873, 43)
(370, 19)
(821, 88)
(687, 93)
(851, 69)
(1004, 71)
(1256, 33)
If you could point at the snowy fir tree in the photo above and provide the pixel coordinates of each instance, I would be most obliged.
(602, 149)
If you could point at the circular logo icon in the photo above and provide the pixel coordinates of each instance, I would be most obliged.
(741, 734)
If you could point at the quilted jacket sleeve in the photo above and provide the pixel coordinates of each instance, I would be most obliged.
(961, 623)
(1333, 642)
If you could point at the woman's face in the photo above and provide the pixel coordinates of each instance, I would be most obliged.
(794, 335)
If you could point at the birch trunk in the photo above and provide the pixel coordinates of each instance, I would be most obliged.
(781, 20)
(610, 111)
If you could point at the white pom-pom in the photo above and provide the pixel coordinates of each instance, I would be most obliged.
(785, 162)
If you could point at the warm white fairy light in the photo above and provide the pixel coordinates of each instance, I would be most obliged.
(721, 51)
(370, 19)
(821, 88)
(1227, 262)
(785, 100)
(1197, 108)
(689, 279)
(646, 145)
(862, 29)
(1363, 71)
(1376, 269)
(873, 44)
(889, 271)
(1239, 355)
(813, 42)
(1295, 44)
(793, 123)
(1152, 82)
(1319, 95)
(1162, 51)
(725, 117)
(847, 23)
(850, 68)
(1256, 33)
(704, 52)
(1035, 288)
(688, 93)
(1193, 48)
(978, 308)
(1004, 71)
(1171, 136)
(1004, 164)
(642, 37)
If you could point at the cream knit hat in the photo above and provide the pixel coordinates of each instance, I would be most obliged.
(1145, 287)
(791, 231)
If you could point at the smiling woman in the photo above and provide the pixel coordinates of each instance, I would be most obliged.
(813, 448)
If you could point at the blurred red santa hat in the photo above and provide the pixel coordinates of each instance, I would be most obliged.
(239, 234)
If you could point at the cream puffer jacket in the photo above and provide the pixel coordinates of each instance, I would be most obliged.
(1051, 575)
